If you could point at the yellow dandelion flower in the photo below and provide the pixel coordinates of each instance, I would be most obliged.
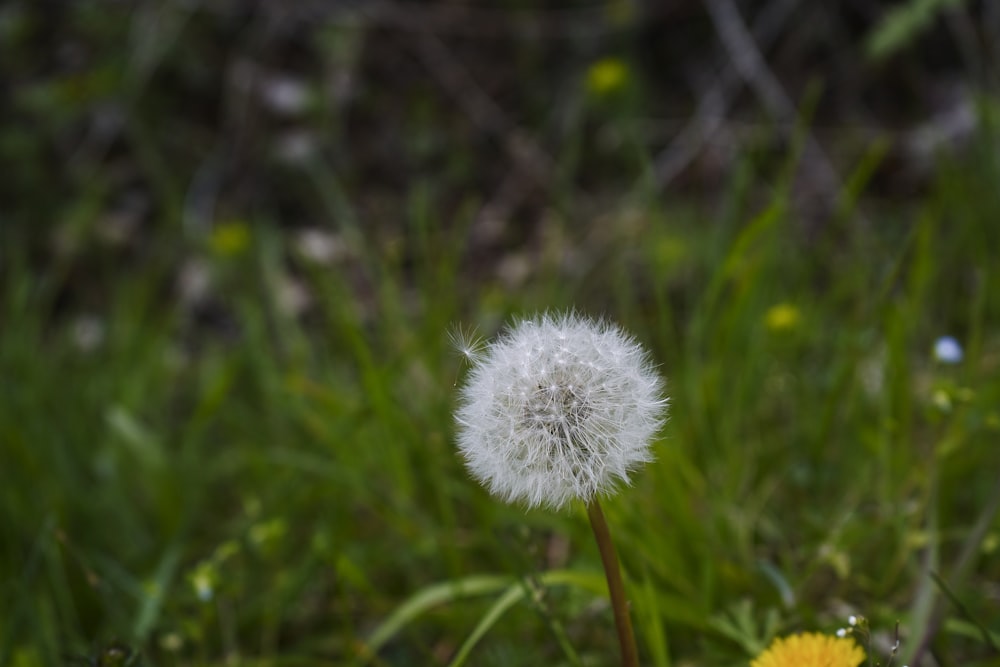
(782, 317)
(811, 649)
(230, 238)
(607, 76)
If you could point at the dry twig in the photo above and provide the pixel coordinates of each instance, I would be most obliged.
(749, 62)
(713, 105)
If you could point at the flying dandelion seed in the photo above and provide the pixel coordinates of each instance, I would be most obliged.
(467, 342)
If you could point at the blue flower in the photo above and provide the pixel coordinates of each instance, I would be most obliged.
(947, 350)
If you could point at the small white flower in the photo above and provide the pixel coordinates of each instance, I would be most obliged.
(202, 582)
(88, 332)
(558, 407)
(947, 350)
(852, 619)
(285, 95)
(320, 246)
(841, 632)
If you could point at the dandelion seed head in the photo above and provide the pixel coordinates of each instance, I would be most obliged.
(558, 407)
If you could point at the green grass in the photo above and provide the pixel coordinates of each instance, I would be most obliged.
(266, 489)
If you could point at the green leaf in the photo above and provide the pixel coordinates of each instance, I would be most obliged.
(511, 597)
(903, 24)
(473, 586)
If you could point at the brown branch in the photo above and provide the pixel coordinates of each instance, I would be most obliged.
(533, 166)
(713, 105)
(749, 62)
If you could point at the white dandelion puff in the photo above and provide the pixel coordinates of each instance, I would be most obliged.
(558, 407)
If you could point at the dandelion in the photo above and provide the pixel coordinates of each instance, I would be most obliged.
(230, 239)
(947, 350)
(607, 76)
(781, 317)
(811, 649)
(561, 408)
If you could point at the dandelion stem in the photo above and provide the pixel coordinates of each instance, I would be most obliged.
(626, 638)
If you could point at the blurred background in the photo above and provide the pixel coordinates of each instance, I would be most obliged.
(235, 236)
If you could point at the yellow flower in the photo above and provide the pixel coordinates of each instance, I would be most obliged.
(229, 239)
(782, 317)
(811, 649)
(606, 76)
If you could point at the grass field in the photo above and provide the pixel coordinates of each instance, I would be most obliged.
(236, 447)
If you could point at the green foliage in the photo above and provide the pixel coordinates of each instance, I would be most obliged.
(903, 24)
(278, 495)
(226, 427)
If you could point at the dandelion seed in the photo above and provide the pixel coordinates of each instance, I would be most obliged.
(561, 408)
(811, 650)
(947, 350)
(558, 408)
(467, 342)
